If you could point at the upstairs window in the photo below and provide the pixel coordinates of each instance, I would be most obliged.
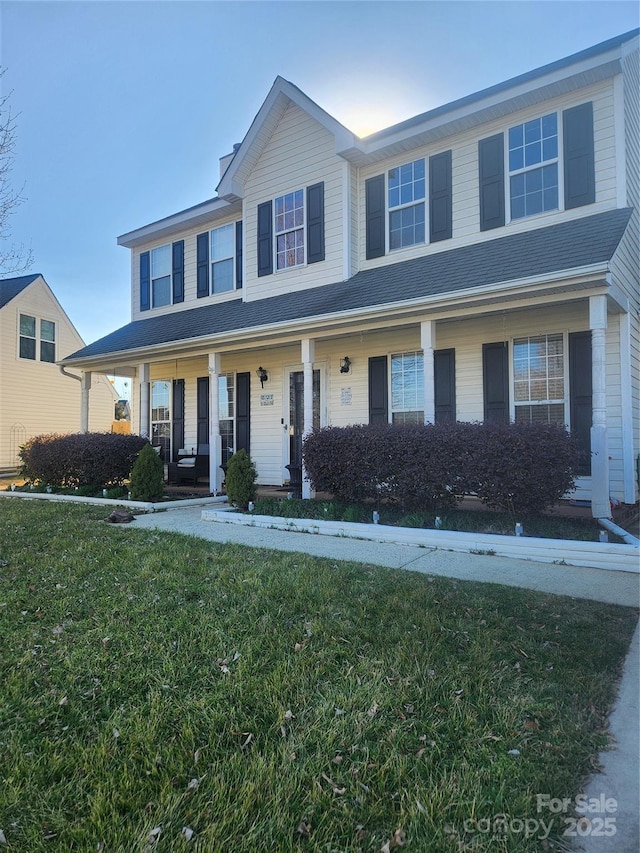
(406, 193)
(29, 339)
(222, 255)
(533, 166)
(539, 381)
(289, 230)
(161, 276)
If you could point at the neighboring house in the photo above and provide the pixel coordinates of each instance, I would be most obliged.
(35, 396)
(476, 262)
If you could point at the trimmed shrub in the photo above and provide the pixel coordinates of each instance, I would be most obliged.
(519, 468)
(240, 479)
(80, 459)
(523, 469)
(147, 476)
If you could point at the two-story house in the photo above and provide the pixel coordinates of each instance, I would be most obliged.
(35, 396)
(476, 262)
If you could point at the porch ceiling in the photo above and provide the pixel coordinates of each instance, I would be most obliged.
(485, 272)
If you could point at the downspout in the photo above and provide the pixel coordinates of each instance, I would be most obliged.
(71, 375)
(628, 538)
(85, 385)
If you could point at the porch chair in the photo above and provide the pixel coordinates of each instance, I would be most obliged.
(191, 468)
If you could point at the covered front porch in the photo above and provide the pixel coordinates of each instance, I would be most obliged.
(543, 359)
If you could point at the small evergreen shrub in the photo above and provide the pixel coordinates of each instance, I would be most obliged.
(147, 476)
(80, 459)
(240, 479)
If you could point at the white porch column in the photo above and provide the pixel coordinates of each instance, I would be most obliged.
(145, 402)
(428, 343)
(600, 505)
(215, 442)
(308, 354)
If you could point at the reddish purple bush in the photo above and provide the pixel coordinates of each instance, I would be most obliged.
(519, 468)
(80, 459)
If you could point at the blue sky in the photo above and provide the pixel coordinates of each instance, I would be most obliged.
(125, 107)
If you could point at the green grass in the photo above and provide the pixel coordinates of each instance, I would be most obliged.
(271, 701)
(471, 521)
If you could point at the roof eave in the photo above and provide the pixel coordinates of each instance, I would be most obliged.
(571, 279)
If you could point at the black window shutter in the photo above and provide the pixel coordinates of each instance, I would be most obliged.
(375, 216)
(580, 393)
(202, 264)
(145, 281)
(315, 223)
(177, 417)
(178, 271)
(265, 238)
(238, 255)
(378, 390)
(579, 163)
(243, 396)
(440, 193)
(444, 363)
(495, 381)
(491, 180)
(203, 409)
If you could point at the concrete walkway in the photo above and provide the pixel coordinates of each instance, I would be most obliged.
(617, 786)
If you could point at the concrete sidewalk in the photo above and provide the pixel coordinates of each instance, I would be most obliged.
(619, 779)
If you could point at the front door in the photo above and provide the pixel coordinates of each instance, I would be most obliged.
(296, 413)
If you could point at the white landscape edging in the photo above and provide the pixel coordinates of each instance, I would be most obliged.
(599, 555)
(147, 506)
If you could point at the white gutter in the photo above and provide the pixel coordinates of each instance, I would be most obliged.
(468, 296)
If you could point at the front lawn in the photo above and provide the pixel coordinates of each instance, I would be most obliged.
(164, 693)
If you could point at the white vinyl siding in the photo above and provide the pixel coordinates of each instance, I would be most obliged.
(465, 201)
(298, 154)
(36, 397)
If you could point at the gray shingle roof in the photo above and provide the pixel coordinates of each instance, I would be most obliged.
(553, 249)
(11, 287)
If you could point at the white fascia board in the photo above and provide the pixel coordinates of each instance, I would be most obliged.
(572, 77)
(593, 275)
(230, 187)
(211, 209)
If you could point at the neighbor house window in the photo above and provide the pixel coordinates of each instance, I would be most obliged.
(406, 193)
(407, 388)
(29, 339)
(161, 416)
(222, 254)
(161, 276)
(226, 414)
(539, 382)
(289, 230)
(533, 166)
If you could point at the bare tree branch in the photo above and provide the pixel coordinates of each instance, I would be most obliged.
(13, 257)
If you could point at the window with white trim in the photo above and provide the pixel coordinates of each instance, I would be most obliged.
(226, 414)
(161, 276)
(406, 188)
(289, 230)
(533, 166)
(37, 336)
(223, 249)
(539, 379)
(161, 416)
(407, 388)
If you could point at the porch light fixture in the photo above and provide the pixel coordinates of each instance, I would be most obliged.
(345, 364)
(263, 376)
